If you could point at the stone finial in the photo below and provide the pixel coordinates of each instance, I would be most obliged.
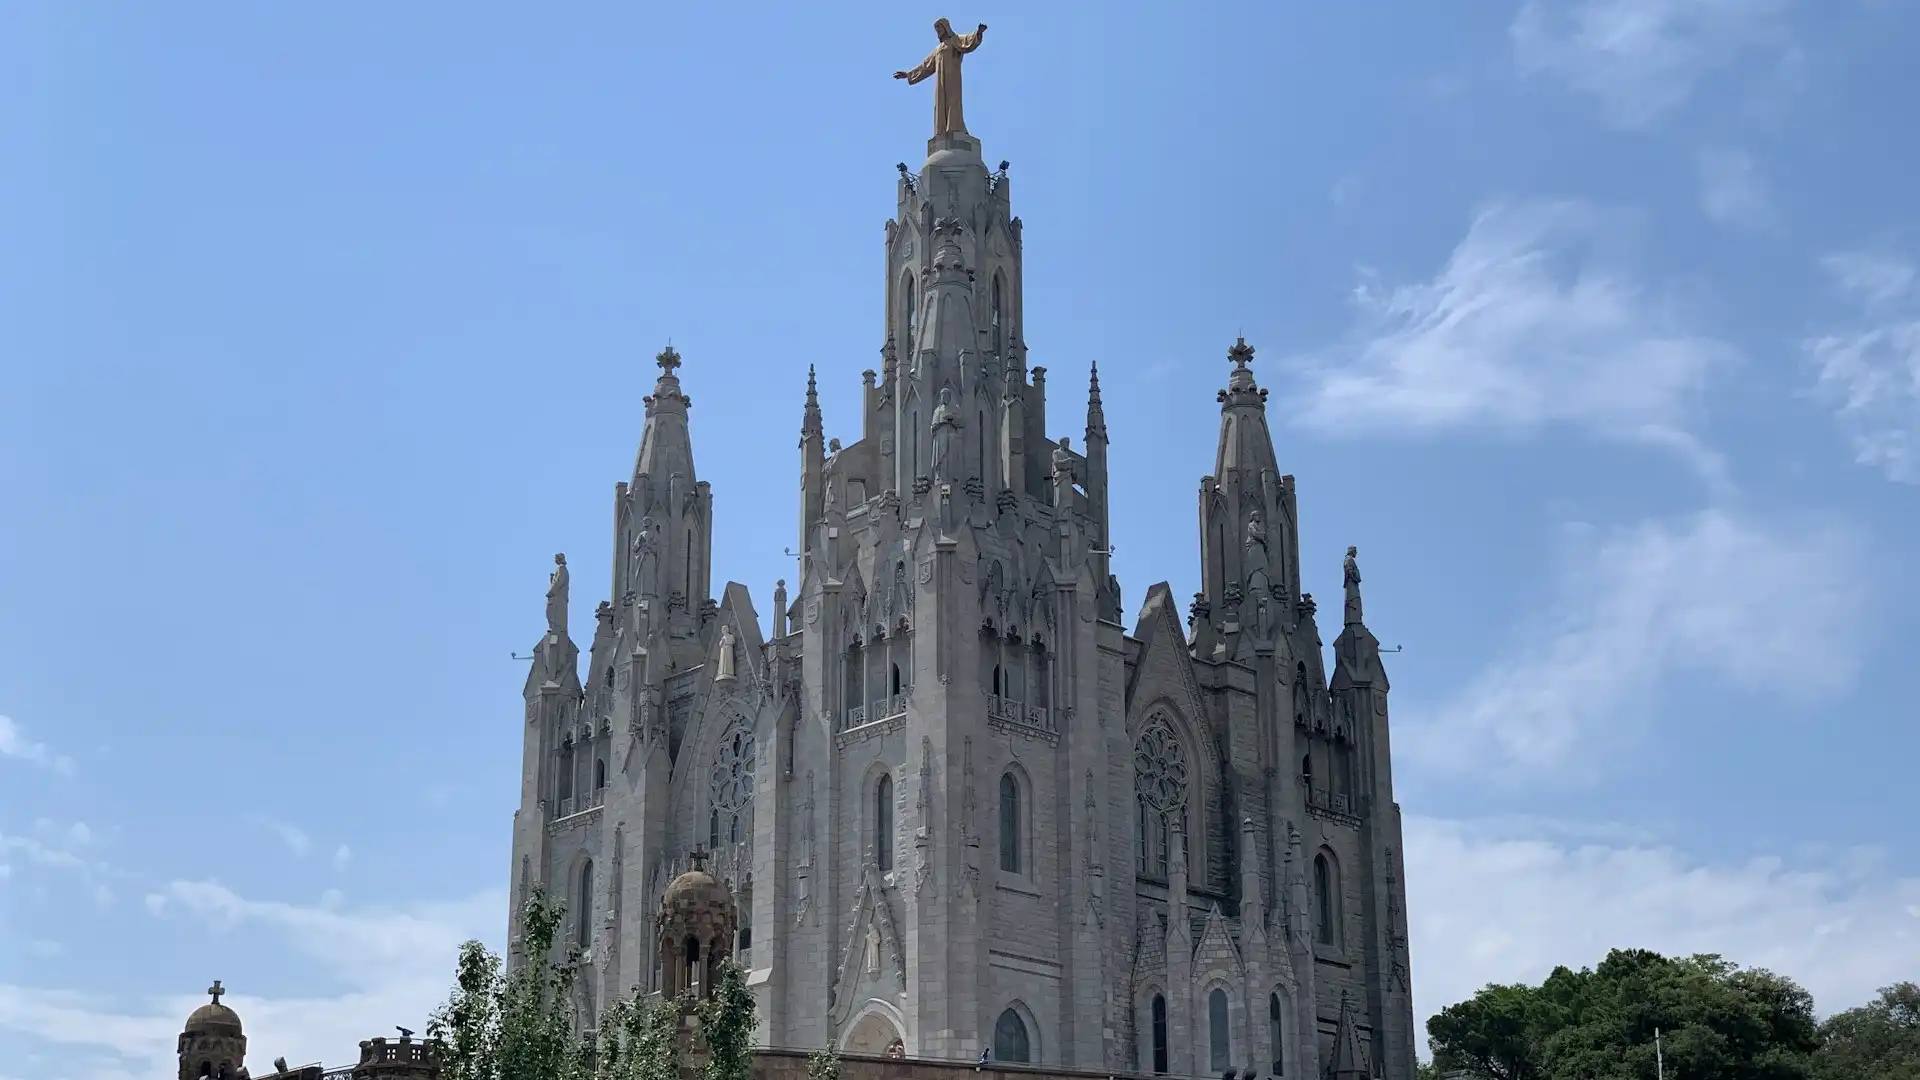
(668, 360)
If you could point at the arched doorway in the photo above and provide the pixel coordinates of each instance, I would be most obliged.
(872, 1034)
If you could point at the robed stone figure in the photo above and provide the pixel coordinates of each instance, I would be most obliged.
(557, 597)
(946, 433)
(943, 64)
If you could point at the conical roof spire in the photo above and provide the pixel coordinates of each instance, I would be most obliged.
(665, 445)
(810, 424)
(1096, 414)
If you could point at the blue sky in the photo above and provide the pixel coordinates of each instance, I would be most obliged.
(1595, 325)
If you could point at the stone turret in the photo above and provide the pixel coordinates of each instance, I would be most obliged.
(212, 1045)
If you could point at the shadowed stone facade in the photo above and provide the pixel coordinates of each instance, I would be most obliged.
(961, 805)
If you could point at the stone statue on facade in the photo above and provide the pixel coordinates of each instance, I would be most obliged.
(1256, 533)
(946, 434)
(1352, 581)
(557, 597)
(943, 65)
(724, 664)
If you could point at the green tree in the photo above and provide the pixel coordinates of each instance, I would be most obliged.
(516, 1026)
(1716, 1022)
(727, 1022)
(1877, 1041)
(824, 1064)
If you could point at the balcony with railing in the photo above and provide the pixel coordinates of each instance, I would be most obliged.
(875, 712)
(1007, 710)
(581, 803)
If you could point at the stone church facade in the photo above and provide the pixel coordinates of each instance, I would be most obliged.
(962, 805)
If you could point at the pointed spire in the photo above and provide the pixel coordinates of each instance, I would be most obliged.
(1096, 414)
(810, 425)
(665, 445)
(1346, 1044)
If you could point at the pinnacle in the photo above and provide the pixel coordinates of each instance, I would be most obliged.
(667, 359)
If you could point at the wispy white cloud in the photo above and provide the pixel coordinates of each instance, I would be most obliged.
(1500, 905)
(1732, 191)
(1640, 59)
(342, 855)
(1868, 371)
(395, 965)
(1533, 321)
(15, 744)
(1765, 605)
(297, 841)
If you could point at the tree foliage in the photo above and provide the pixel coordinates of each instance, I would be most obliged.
(1877, 1041)
(824, 1064)
(520, 1025)
(1716, 1022)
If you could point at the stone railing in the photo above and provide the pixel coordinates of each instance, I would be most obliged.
(1332, 804)
(1038, 717)
(580, 804)
(876, 711)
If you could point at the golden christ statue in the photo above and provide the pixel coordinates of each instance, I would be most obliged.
(944, 64)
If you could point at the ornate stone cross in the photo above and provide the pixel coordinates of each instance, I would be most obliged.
(216, 990)
(668, 360)
(698, 857)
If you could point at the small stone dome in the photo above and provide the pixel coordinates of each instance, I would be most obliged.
(695, 891)
(213, 1018)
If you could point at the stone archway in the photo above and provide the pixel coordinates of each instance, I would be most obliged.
(873, 1033)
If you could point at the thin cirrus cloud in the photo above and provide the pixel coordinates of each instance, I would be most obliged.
(1732, 191)
(1534, 321)
(1868, 369)
(14, 743)
(1639, 603)
(1639, 60)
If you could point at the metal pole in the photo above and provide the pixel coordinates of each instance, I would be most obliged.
(1659, 1061)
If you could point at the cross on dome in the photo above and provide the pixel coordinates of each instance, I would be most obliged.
(216, 991)
(698, 856)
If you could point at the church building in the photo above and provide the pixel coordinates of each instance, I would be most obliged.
(963, 805)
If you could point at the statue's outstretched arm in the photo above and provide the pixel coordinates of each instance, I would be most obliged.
(925, 69)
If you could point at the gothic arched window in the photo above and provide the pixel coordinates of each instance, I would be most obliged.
(1009, 823)
(1010, 1041)
(1159, 1034)
(1219, 1052)
(583, 904)
(732, 789)
(907, 312)
(1273, 1034)
(1325, 908)
(994, 313)
(883, 823)
(599, 773)
(1160, 786)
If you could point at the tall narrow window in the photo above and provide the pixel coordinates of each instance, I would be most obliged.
(1219, 1053)
(583, 922)
(896, 681)
(1009, 823)
(1323, 900)
(566, 772)
(994, 316)
(1160, 784)
(906, 313)
(599, 773)
(1010, 1041)
(883, 823)
(1159, 1034)
(1274, 1042)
